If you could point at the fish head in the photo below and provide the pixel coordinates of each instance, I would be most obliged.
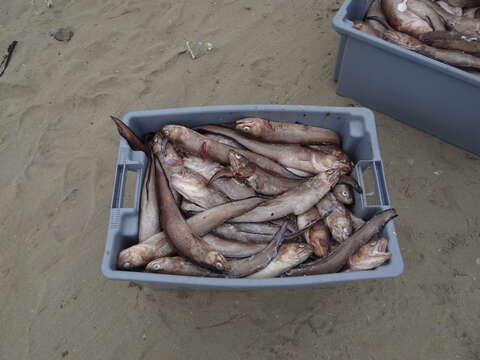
(134, 257)
(342, 192)
(370, 255)
(402, 39)
(174, 132)
(217, 261)
(251, 126)
(293, 252)
(241, 166)
(155, 266)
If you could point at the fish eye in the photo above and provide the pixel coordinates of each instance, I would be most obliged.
(237, 156)
(156, 267)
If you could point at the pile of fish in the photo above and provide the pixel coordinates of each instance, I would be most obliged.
(445, 30)
(254, 199)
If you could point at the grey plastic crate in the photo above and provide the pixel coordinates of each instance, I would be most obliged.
(419, 91)
(359, 138)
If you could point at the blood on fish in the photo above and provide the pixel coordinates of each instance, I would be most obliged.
(203, 149)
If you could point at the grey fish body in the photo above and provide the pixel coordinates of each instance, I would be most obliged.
(244, 267)
(178, 266)
(233, 249)
(149, 218)
(286, 133)
(289, 255)
(231, 232)
(295, 201)
(231, 187)
(343, 194)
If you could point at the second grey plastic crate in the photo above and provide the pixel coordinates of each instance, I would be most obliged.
(359, 139)
(427, 94)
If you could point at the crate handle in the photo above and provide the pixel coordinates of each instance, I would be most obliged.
(379, 187)
(120, 180)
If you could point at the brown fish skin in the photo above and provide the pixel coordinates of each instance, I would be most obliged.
(233, 249)
(158, 245)
(288, 155)
(452, 57)
(357, 222)
(369, 256)
(149, 217)
(258, 228)
(404, 20)
(224, 140)
(189, 184)
(260, 180)
(177, 265)
(326, 205)
(289, 255)
(198, 144)
(338, 258)
(367, 28)
(133, 140)
(295, 201)
(233, 188)
(231, 232)
(254, 263)
(286, 133)
(451, 40)
(472, 13)
(179, 232)
(343, 194)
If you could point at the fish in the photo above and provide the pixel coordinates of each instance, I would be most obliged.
(139, 255)
(472, 13)
(189, 207)
(286, 133)
(452, 57)
(454, 10)
(357, 222)
(288, 155)
(191, 185)
(463, 25)
(426, 13)
(178, 230)
(367, 28)
(258, 228)
(224, 140)
(254, 263)
(337, 259)
(198, 144)
(318, 236)
(376, 19)
(260, 180)
(178, 265)
(233, 249)
(453, 41)
(231, 187)
(338, 220)
(149, 217)
(132, 139)
(403, 19)
(294, 201)
(369, 256)
(289, 255)
(343, 194)
(231, 232)
(463, 3)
